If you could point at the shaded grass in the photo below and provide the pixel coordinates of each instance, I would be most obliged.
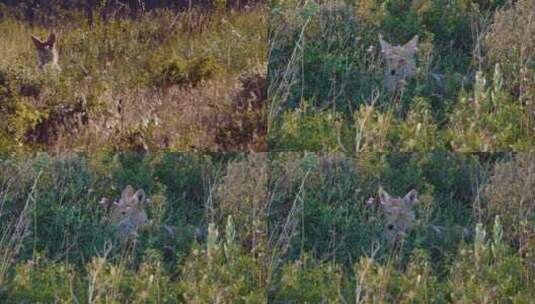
(326, 72)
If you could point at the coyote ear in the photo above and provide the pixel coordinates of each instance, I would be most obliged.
(411, 197)
(51, 39)
(37, 42)
(412, 45)
(383, 196)
(385, 46)
(128, 192)
(140, 195)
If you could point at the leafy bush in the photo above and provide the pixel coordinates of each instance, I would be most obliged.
(488, 271)
(222, 271)
(202, 68)
(325, 60)
(305, 131)
(500, 121)
(41, 280)
(306, 281)
(181, 72)
(18, 114)
(376, 283)
(171, 72)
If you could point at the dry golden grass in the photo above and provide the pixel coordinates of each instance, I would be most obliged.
(106, 99)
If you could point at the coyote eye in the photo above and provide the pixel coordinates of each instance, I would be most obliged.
(390, 227)
(392, 72)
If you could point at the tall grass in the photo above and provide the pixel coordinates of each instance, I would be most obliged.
(120, 87)
(58, 246)
(326, 71)
(276, 227)
(328, 233)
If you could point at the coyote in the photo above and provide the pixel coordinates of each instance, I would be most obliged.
(128, 214)
(47, 54)
(400, 62)
(399, 213)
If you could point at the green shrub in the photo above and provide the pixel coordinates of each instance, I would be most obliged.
(41, 281)
(18, 114)
(308, 281)
(222, 271)
(171, 73)
(202, 68)
(329, 42)
(418, 132)
(152, 283)
(376, 283)
(185, 72)
(499, 121)
(487, 271)
(310, 131)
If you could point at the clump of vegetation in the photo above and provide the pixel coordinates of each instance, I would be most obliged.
(495, 270)
(509, 197)
(223, 271)
(173, 72)
(280, 227)
(61, 242)
(41, 281)
(202, 68)
(17, 113)
(511, 44)
(242, 194)
(181, 72)
(329, 237)
(308, 281)
(331, 67)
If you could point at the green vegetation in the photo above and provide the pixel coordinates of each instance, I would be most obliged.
(278, 228)
(57, 245)
(178, 72)
(328, 233)
(165, 79)
(473, 89)
(141, 162)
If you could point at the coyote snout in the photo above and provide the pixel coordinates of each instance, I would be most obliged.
(47, 54)
(128, 213)
(399, 213)
(400, 62)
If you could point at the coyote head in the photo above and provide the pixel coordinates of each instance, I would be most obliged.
(47, 54)
(400, 62)
(399, 213)
(128, 213)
